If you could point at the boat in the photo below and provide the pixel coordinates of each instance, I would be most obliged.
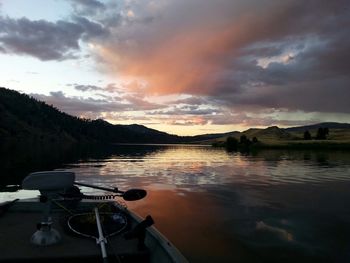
(64, 225)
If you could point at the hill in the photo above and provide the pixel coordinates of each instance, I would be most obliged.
(270, 133)
(275, 137)
(24, 117)
(329, 125)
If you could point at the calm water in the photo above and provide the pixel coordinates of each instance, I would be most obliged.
(272, 206)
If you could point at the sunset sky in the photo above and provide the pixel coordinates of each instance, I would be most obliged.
(182, 66)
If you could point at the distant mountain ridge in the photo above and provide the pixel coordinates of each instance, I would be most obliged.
(271, 135)
(330, 125)
(22, 116)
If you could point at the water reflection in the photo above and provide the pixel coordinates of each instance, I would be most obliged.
(192, 221)
(193, 167)
(271, 206)
(268, 206)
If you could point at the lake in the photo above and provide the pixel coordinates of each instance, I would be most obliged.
(215, 206)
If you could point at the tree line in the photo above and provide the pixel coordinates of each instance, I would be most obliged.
(322, 134)
(233, 144)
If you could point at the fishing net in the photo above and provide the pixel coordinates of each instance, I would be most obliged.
(84, 224)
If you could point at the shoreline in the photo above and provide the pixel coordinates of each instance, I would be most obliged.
(292, 145)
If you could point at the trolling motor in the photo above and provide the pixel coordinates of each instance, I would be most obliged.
(129, 195)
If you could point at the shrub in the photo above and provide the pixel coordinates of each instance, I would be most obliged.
(307, 135)
(231, 143)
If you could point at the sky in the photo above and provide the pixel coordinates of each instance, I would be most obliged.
(185, 67)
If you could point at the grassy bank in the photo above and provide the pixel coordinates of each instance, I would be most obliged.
(309, 145)
(287, 144)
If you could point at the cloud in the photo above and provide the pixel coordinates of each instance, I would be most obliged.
(87, 7)
(243, 61)
(139, 110)
(82, 106)
(187, 121)
(87, 87)
(193, 100)
(185, 110)
(93, 4)
(91, 29)
(42, 39)
(79, 106)
(254, 120)
(303, 45)
(141, 103)
(47, 40)
(109, 88)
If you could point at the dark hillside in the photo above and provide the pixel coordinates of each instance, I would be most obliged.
(22, 116)
(211, 136)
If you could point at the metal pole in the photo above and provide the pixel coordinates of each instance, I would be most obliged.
(101, 239)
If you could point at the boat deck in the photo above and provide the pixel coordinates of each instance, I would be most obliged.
(18, 224)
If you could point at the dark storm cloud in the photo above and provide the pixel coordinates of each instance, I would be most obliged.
(47, 40)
